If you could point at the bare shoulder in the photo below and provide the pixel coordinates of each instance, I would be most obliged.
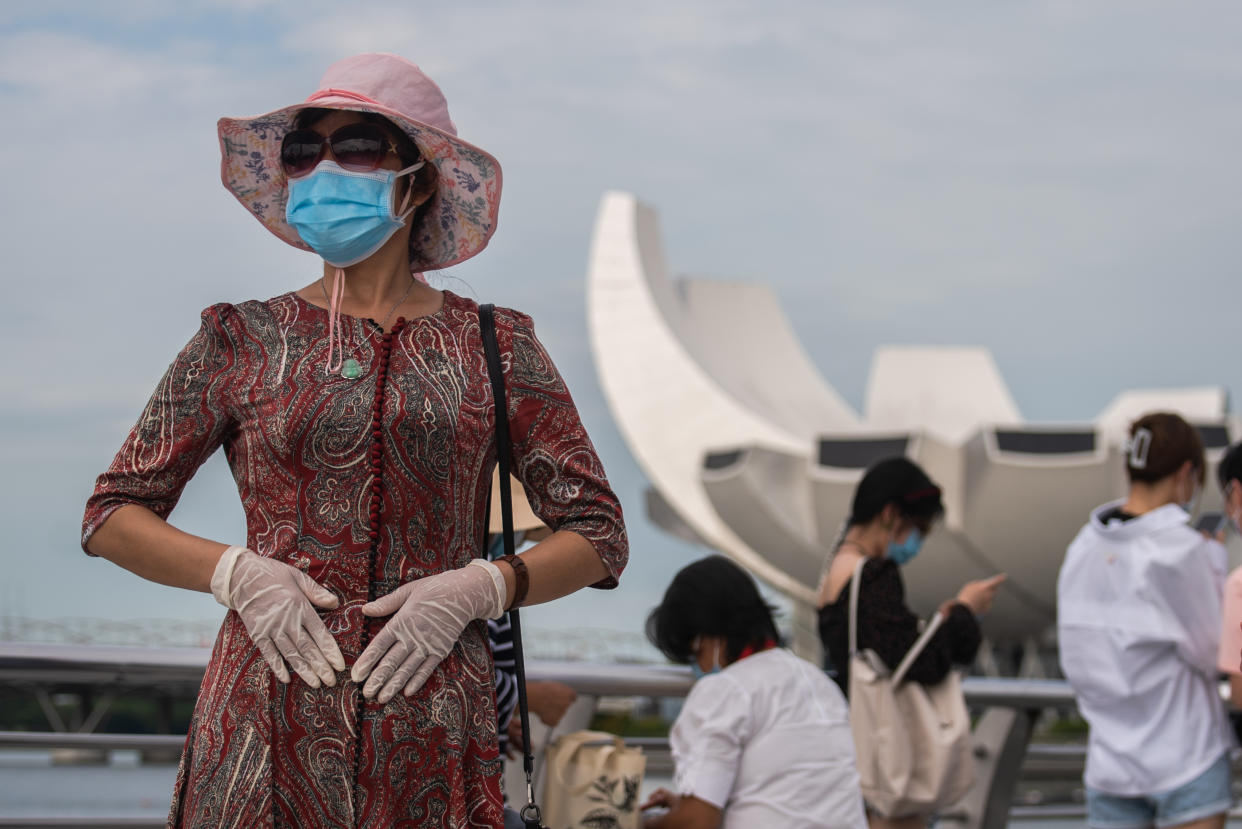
(839, 573)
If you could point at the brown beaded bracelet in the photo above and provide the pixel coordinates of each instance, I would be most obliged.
(522, 580)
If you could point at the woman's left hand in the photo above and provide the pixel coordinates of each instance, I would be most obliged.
(428, 617)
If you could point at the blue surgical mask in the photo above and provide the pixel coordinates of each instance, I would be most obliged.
(1192, 504)
(698, 672)
(908, 549)
(1237, 525)
(345, 215)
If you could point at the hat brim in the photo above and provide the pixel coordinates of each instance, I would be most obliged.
(456, 223)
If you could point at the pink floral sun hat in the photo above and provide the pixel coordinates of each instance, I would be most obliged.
(461, 215)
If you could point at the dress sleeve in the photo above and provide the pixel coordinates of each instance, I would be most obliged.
(185, 420)
(708, 738)
(553, 456)
(889, 628)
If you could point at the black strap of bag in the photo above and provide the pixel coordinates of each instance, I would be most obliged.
(487, 328)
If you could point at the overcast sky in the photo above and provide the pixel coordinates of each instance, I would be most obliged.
(1057, 181)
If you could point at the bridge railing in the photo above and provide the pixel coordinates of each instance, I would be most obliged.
(1002, 734)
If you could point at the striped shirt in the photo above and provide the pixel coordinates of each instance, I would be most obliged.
(500, 634)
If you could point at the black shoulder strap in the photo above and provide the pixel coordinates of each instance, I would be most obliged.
(504, 448)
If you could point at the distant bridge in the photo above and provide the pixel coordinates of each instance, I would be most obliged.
(582, 644)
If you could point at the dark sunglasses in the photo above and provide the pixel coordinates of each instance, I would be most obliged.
(358, 147)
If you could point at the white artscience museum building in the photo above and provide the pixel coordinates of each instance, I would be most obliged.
(751, 452)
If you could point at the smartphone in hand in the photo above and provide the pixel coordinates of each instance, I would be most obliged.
(1212, 523)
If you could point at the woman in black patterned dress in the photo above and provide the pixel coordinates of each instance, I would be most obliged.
(894, 509)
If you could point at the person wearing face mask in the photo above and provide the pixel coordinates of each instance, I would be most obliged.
(1138, 626)
(763, 738)
(1229, 655)
(351, 683)
(894, 508)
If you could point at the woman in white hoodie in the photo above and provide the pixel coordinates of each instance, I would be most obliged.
(1138, 618)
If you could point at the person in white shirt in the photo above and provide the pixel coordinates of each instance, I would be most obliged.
(763, 738)
(1138, 622)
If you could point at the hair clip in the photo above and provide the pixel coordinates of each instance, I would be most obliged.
(920, 494)
(1138, 447)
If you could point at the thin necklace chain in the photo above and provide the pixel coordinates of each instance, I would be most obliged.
(383, 322)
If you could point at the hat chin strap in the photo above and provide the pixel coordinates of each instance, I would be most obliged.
(334, 323)
(335, 329)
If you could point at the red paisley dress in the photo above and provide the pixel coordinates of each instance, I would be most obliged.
(364, 484)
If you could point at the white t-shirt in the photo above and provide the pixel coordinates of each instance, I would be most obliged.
(1138, 623)
(767, 740)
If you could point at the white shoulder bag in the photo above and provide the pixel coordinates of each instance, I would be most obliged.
(912, 741)
(593, 779)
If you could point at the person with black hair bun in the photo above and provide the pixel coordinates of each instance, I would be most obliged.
(763, 738)
(1138, 626)
(894, 508)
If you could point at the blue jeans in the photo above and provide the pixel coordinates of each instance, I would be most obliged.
(1206, 795)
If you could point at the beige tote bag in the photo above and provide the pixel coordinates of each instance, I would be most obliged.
(912, 741)
(592, 776)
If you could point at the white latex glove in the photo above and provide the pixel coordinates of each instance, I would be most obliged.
(429, 617)
(274, 601)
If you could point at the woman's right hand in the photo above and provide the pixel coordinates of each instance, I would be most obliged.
(660, 799)
(979, 595)
(274, 601)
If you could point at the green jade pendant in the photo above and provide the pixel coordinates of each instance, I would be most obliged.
(351, 369)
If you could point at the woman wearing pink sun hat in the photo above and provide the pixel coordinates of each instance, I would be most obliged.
(351, 683)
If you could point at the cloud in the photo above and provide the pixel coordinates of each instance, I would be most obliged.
(360, 27)
(1055, 180)
(75, 74)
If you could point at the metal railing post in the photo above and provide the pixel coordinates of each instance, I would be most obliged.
(1001, 737)
(1000, 740)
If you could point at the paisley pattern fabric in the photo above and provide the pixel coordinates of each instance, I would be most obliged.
(260, 753)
